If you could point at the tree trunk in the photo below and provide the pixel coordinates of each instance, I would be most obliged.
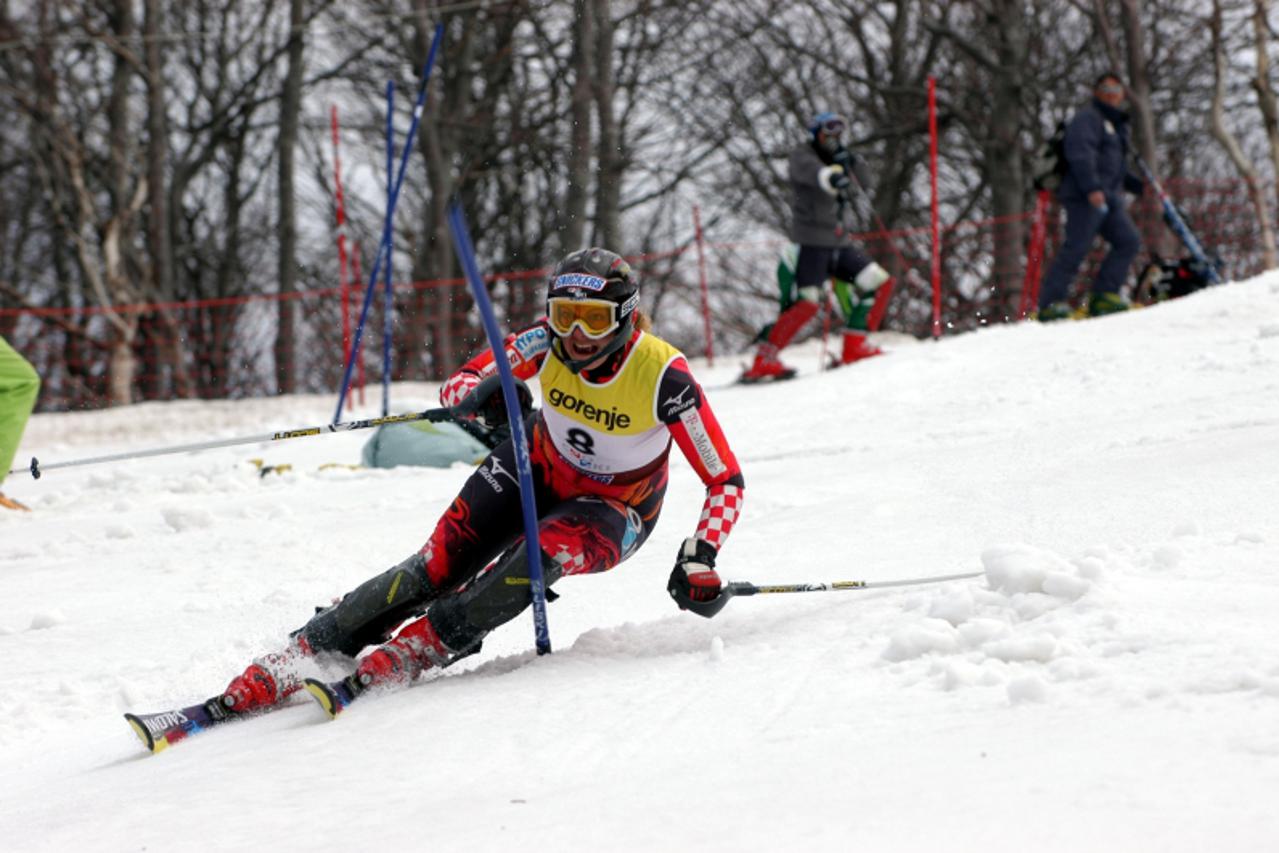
(290, 106)
(580, 107)
(608, 182)
(159, 223)
(1002, 154)
(1143, 123)
(118, 231)
(433, 315)
(1223, 135)
(1261, 83)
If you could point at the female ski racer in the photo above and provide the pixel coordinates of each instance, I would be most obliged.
(614, 396)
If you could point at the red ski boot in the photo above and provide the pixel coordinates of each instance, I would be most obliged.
(268, 680)
(415, 649)
(767, 367)
(856, 348)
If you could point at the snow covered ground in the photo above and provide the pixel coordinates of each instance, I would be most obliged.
(1110, 683)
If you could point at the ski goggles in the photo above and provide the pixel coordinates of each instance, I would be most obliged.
(597, 318)
(833, 126)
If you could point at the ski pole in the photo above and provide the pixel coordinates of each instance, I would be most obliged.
(433, 415)
(739, 588)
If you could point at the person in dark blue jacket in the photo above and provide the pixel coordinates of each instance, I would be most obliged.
(1096, 153)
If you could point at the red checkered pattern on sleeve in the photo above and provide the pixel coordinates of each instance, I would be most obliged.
(458, 386)
(719, 513)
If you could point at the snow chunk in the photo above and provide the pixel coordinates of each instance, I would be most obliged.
(119, 531)
(1269, 330)
(717, 649)
(1020, 568)
(959, 673)
(955, 606)
(929, 635)
(181, 519)
(1091, 568)
(1027, 688)
(47, 619)
(1065, 586)
(1037, 647)
(1032, 605)
(978, 631)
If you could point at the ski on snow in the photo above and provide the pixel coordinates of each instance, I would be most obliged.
(162, 730)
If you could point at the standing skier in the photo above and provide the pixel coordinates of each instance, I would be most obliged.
(614, 397)
(1095, 148)
(820, 170)
(855, 306)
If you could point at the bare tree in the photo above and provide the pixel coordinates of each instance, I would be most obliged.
(611, 158)
(290, 106)
(1263, 37)
(580, 109)
(178, 159)
(1228, 141)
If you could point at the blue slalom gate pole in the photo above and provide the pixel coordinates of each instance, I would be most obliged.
(390, 213)
(388, 301)
(466, 254)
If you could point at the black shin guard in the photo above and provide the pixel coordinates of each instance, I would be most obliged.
(366, 614)
(499, 595)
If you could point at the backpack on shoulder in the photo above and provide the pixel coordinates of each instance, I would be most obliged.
(1049, 163)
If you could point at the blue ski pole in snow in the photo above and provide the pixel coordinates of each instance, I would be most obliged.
(466, 254)
(1179, 226)
(384, 249)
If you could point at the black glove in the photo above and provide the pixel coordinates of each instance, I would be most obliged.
(1134, 185)
(840, 180)
(694, 583)
(487, 405)
(843, 157)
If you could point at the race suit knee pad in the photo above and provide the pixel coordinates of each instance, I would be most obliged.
(366, 614)
(871, 277)
(495, 597)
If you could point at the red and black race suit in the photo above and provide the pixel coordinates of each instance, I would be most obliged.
(599, 450)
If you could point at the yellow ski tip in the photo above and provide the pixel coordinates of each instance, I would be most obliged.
(324, 697)
(152, 744)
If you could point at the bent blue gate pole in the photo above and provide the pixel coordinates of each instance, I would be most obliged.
(466, 254)
(384, 248)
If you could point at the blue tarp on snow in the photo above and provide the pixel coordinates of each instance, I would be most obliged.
(421, 443)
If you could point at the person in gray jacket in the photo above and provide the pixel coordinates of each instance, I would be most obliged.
(820, 175)
(1095, 148)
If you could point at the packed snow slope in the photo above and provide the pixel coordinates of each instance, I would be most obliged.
(1110, 681)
